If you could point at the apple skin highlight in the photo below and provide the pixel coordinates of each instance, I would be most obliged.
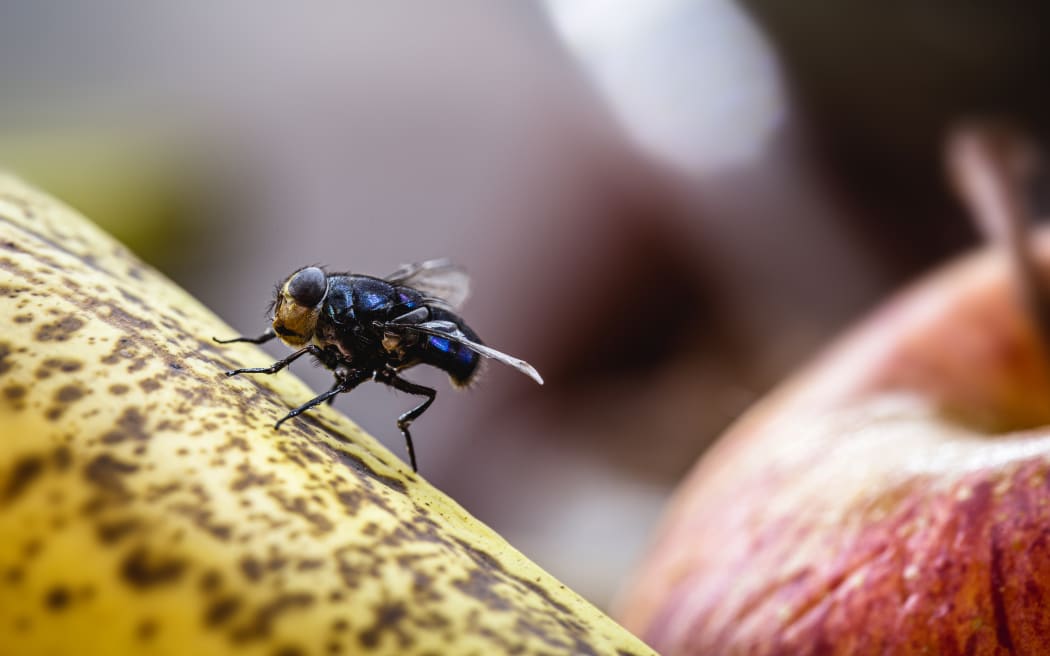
(894, 498)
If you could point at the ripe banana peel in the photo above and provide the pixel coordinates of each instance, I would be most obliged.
(147, 506)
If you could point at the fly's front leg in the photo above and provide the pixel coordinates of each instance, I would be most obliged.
(280, 364)
(403, 422)
(344, 384)
(261, 339)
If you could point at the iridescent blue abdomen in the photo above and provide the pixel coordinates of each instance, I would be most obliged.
(457, 360)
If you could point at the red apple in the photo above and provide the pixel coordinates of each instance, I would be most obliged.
(892, 499)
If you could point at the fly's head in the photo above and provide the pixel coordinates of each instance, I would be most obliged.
(298, 305)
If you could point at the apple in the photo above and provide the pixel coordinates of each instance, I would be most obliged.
(893, 498)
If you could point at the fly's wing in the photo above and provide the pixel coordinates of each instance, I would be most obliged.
(451, 332)
(441, 280)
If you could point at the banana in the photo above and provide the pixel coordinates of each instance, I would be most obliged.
(147, 506)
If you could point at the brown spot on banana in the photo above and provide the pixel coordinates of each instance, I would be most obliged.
(160, 486)
(24, 471)
(59, 331)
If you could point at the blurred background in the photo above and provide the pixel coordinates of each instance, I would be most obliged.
(665, 205)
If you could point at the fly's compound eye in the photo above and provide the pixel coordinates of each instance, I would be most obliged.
(307, 287)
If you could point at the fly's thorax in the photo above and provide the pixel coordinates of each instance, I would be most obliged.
(298, 305)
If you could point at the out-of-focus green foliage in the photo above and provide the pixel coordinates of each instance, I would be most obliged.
(136, 185)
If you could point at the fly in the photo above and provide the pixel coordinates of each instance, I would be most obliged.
(362, 327)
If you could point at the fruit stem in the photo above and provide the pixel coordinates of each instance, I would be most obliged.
(994, 167)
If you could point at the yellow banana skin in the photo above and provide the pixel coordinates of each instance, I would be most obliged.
(147, 506)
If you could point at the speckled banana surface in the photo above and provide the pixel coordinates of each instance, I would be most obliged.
(147, 506)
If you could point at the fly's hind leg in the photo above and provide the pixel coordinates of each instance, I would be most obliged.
(403, 422)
